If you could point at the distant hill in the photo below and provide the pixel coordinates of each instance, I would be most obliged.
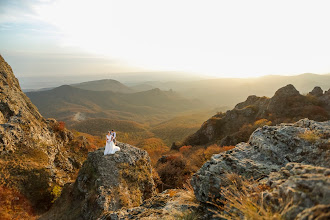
(104, 85)
(142, 87)
(287, 105)
(229, 91)
(65, 102)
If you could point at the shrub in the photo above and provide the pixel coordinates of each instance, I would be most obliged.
(185, 149)
(174, 173)
(215, 149)
(13, 205)
(59, 126)
(261, 122)
(309, 136)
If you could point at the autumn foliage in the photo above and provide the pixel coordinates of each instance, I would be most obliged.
(178, 166)
(13, 205)
(59, 126)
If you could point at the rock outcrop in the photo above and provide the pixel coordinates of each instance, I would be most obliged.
(170, 205)
(36, 154)
(294, 160)
(106, 184)
(235, 126)
(317, 91)
(304, 186)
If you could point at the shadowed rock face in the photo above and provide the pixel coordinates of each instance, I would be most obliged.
(106, 183)
(270, 148)
(236, 125)
(35, 155)
(317, 91)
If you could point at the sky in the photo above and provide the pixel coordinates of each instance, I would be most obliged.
(52, 38)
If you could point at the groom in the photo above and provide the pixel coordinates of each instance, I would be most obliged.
(113, 133)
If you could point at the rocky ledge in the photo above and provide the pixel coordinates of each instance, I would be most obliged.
(170, 205)
(106, 183)
(292, 159)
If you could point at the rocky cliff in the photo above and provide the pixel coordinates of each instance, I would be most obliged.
(106, 184)
(37, 155)
(293, 160)
(287, 105)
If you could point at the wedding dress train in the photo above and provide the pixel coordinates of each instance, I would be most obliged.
(110, 147)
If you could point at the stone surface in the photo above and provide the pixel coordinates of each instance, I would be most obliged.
(317, 91)
(301, 186)
(319, 212)
(106, 183)
(269, 149)
(169, 204)
(35, 154)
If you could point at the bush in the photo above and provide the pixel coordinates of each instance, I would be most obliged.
(13, 205)
(59, 126)
(185, 149)
(309, 136)
(174, 173)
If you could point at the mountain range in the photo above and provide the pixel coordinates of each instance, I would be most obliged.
(286, 105)
(65, 102)
(217, 92)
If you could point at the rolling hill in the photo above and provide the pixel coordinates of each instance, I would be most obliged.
(104, 85)
(65, 102)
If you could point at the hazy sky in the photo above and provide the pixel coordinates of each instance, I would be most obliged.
(216, 38)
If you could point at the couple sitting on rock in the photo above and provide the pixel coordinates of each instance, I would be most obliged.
(110, 147)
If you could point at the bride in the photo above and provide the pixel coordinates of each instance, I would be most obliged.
(110, 147)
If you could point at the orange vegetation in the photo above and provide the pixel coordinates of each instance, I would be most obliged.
(177, 167)
(13, 205)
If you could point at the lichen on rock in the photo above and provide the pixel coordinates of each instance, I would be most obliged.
(284, 156)
(107, 183)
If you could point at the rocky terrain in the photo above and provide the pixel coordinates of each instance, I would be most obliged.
(287, 105)
(292, 160)
(37, 155)
(106, 183)
(289, 161)
(281, 172)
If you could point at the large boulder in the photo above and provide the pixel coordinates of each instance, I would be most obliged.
(105, 184)
(269, 149)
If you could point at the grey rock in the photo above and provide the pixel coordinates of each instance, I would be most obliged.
(269, 149)
(301, 186)
(169, 204)
(107, 183)
(25, 134)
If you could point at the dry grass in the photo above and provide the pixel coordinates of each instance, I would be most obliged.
(188, 215)
(310, 136)
(13, 205)
(244, 200)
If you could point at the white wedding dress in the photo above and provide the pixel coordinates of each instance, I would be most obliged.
(110, 147)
